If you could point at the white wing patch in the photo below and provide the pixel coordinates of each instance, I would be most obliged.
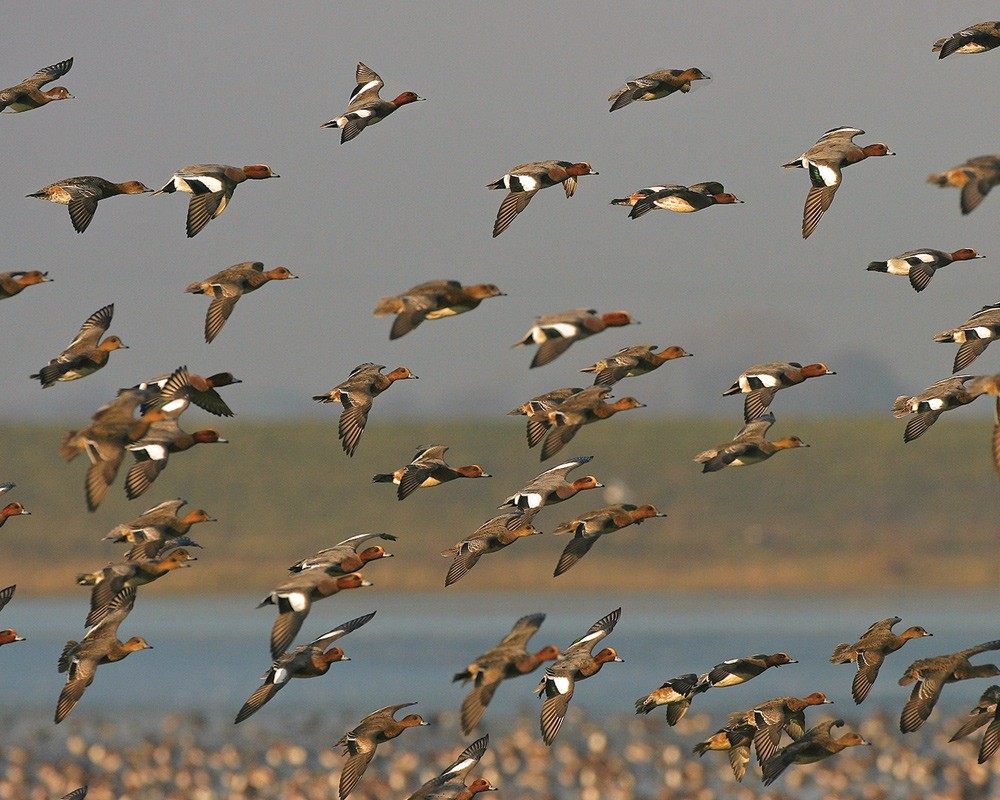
(297, 600)
(562, 683)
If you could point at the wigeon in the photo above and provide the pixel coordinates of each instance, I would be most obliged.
(735, 740)
(508, 659)
(361, 742)
(12, 510)
(929, 675)
(365, 106)
(975, 178)
(82, 195)
(536, 407)
(824, 161)
(551, 486)
(684, 199)
(975, 335)
(646, 191)
(579, 410)
(920, 265)
(771, 717)
(110, 580)
(176, 391)
(228, 286)
(432, 300)
(294, 597)
(816, 744)
(760, 382)
(574, 664)
(8, 635)
(80, 660)
(159, 523)
(676, 694)
(363, 385)
(655, 85)
(345, 557)
(492, 536)
(525, 180)
(12, 283)
(152, 452)
(211, 187)
(870, 651)
(555, 333)
(976, 38)
(735, 671)
(450, 784)
(748, 447)
(86, 353)
(985, 712)
(305, 661)
(588, 528)
(428, 468)
(945, 395)
(28, 93)
(630, 362)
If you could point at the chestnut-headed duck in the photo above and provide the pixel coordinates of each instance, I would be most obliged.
(929, 675)
(79, 660)
(28, 93)
(525, 180)
(159, 523)
(676, 694)
(748, 447)
(554, 333)
(427, 469)
(740, 670)
(12, 510)
(365, 107)
(83, 193)
(305, 661)
(344, 557)
(492, 536)
(932, 402)
(360, 742)
(211, 187)
(112, 429)
(824, 161)
(772, 717)
(975, 178)
(176, 391)
(228, 286)
(575, 664)
(8, 635)
(815, 745)
(536, 407)
(976, 38)
(870, 651)
(508, 659)
(760, 382)
(432, 300)
(86, 353)
(684, 199)
(573, 413)
(110, 580)
(153, 451)
(551, 486)
(735, 740)
(920, 265)
(975, 335)
(450, 784)
(364, 384)
(539, 411)
(655, 85)
(984, 712)
(630, 362)
(294, 597)
(588, 528)
(12, 283)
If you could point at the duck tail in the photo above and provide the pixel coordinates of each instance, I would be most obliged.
(878, 266)
(387, 306)
(196, 288)
(48, 375)
(901, 407)
(795, 163)
(842, 654)
(382, 478)
(945, 336)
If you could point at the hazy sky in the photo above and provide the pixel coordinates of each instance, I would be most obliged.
(160, 86)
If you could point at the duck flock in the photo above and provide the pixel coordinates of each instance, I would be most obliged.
(139, 428)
